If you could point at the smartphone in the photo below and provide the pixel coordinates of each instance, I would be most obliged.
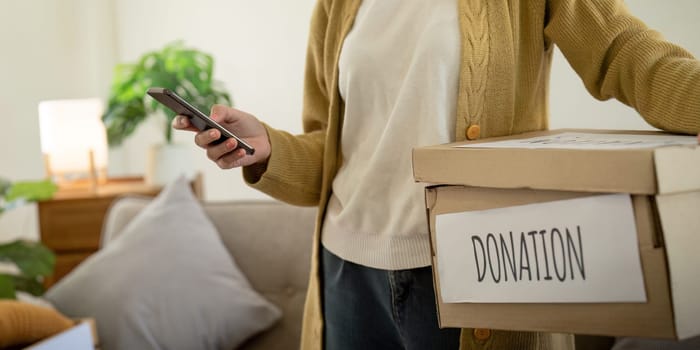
(200, 120)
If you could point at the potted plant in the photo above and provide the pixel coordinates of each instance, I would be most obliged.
(32, 260)
(187, 71)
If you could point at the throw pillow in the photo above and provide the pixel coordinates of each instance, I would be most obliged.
(167, 282)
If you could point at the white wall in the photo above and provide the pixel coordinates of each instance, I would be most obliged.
(259, 49)
(49, 49)
(66, 48)
(570, 104)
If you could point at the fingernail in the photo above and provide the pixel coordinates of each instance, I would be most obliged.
(212, 133)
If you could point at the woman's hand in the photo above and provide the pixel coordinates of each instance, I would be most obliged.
(225, 154)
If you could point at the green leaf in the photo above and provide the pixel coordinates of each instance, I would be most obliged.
(33, 259)
(187, 71)
(7, 287)
(31, 190)
(33, 286)
(4, 186)
(121, 119)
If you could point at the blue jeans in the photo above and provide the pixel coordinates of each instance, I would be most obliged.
(366, 308)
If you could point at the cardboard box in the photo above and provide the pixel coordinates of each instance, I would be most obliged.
(82, 336)
(663, 187)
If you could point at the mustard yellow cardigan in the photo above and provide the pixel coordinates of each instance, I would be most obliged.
(503, 85)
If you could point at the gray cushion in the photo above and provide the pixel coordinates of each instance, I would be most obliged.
(167, 282)
(271, 241)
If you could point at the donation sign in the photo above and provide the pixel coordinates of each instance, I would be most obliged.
(568, 251)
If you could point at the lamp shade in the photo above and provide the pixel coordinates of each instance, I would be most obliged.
(70, 131)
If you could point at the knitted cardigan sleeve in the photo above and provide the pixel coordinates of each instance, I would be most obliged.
(616, 55)
(294, 170)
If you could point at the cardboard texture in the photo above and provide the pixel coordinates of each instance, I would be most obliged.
(665, 187)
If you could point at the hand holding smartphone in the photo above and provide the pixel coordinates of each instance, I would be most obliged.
(200, 120)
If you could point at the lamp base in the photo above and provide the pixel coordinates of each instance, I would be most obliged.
(78, 181)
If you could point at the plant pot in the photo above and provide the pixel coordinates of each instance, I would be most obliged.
(167, 162)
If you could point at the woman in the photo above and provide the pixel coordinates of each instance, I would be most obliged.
(384, 76)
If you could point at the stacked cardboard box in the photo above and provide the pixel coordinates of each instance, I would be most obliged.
(575, 195)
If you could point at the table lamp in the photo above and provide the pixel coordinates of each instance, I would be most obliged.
(73, 142)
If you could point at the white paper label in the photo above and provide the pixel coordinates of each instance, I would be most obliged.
(577, 250)
(77, 338)
(579, 140)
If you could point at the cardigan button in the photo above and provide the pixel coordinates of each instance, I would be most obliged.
(473, 132)
(482, 334)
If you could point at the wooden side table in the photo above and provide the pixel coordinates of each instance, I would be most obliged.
(70, 224)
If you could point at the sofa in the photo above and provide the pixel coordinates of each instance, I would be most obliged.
(173, 272)
(271, 244)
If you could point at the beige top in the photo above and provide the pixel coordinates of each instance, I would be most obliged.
(398, 71)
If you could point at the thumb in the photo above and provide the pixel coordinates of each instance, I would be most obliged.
(221, 113)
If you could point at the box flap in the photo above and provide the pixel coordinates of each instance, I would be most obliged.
(677, 169)
(680, 221)
(629, 170)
